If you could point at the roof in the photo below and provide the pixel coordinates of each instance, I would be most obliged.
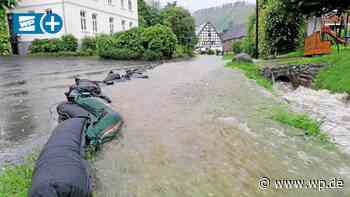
(237, 31)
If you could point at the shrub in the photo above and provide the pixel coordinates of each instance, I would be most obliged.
(69, 43)
(130, 40)
(104, 44)
(237, 46)
(66, 43)
(88, 44)
(46, 46)
(152, 55)
(180, 51)
(120, 54)
(159, 39)
(211, 52)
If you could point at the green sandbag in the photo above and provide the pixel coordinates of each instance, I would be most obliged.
(107, 123)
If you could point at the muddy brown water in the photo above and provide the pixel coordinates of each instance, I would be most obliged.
(194, 128)
(30, 88)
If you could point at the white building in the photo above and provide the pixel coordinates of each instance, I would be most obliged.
(209, 38)
(81, 18)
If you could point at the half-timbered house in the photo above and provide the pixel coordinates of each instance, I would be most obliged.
(209, 38)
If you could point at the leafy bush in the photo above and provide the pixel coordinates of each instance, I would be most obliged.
(69, 43)
(120, 54)
(211, 52)
(237, 46)
(88, 44)
(104, 43)
(151, 43)
(152, 55)
(282, 29)
(46, 46)
(248, 44)
(159, 39)
(66, 43)
(130, 40)
(5, 47)
(180, 51)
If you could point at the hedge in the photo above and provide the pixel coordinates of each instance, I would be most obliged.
(152, 43)
(67, 43)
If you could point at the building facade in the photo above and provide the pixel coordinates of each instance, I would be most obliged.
(237, 32)
(81, 18)
(209, 38)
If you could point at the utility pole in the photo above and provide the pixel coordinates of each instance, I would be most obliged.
(257, 30)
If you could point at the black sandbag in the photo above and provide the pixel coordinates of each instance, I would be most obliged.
(112, 77)
(67, 110)
(61, 170)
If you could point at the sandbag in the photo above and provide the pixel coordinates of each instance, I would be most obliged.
(61, 170)
(67, 110)
(107, 123)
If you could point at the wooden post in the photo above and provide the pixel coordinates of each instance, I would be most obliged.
(257, 30)
(347, 28)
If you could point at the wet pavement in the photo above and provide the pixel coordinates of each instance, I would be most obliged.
(196, 128)
(30, 88)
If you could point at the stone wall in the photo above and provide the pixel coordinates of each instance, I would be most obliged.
(297, 74)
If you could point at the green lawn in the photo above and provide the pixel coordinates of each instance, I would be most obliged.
(251, 71)
(16, 180)
(228, 56)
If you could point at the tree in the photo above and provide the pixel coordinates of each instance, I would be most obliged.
(316, 7)
(148, 16)
(7, 3)
(182, 24)
(5, 47)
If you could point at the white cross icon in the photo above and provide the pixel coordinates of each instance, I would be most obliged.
(52, 23)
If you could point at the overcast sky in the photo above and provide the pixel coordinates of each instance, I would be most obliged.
(194, 5)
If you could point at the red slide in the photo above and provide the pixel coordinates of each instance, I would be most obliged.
(326, 29)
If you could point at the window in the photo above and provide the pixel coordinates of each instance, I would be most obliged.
(122, 4)
(130, 4)
(130, 25)
(94, 23)
(123, 24)
(111, 25)
(83, 20)
(109, 2)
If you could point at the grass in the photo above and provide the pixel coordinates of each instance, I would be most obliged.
(335, 77)
(16, 180)
(228, 56)
(252, 71)
(311, 127)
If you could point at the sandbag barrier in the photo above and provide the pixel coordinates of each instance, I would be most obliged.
(85, 119)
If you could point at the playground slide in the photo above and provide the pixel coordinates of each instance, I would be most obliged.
(329, 31)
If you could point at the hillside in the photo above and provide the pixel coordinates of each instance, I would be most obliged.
(225, 16)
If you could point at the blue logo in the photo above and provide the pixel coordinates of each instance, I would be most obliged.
(52, 23)
(36, 23)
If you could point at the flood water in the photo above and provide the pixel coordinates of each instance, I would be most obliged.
(30, 88)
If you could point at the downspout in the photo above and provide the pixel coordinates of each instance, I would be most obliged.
(64, 17)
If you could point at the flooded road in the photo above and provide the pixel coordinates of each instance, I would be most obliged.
(30, 88)
(196, 128)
